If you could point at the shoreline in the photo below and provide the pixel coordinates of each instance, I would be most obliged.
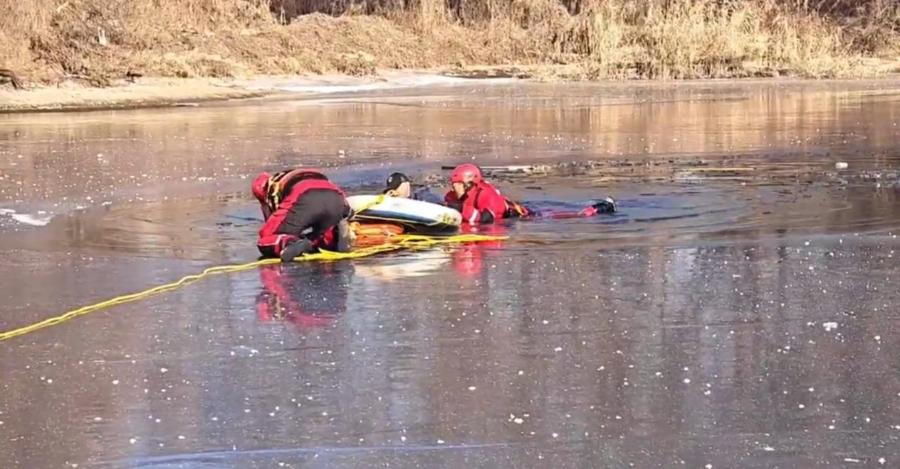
(143, 93)
(150, 92)
(155, 93)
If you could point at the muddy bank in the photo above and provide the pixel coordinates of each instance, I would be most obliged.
(163, 92)
(166, 92)
(145, 93)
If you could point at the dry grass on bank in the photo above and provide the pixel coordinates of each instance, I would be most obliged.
(99, 41)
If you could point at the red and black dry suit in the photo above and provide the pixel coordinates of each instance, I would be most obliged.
(483, 203)
(301, 204)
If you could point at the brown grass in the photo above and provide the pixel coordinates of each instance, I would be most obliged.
(697, 39)
(99, 41)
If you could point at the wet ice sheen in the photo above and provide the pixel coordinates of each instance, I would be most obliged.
(716, 322)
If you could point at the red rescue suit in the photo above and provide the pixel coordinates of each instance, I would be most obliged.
(300, 203)
(483, 203)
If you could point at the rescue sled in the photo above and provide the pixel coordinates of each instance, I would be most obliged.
(415, 216)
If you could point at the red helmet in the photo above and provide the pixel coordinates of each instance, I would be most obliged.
(260, 186)
(466, 172)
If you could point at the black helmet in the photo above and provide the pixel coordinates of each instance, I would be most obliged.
(394, 181)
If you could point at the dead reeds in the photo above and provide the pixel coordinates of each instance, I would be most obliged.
(102, 40)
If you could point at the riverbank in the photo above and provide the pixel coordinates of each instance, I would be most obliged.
(206, 46)
(145, 93)
(193, 92)
(190, 92)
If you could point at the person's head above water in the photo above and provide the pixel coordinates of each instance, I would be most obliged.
(398, 185)
(464, 177)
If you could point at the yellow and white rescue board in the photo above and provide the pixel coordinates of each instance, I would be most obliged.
(414, 215)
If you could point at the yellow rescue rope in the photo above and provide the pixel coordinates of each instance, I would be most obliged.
(396, 243)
